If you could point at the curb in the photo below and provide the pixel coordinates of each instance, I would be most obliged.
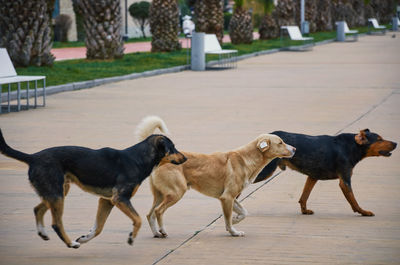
(97, 82)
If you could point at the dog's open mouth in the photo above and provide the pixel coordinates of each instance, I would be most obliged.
(385, 153)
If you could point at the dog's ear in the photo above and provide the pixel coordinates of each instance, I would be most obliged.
(160, 143)
(263, 144)
(361, 137)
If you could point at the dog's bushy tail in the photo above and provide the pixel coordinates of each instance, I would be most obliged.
(147, 126)
(8, 151)
(267, 171)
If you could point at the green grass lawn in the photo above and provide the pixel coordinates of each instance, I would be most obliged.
(69, 71)
(63, 72)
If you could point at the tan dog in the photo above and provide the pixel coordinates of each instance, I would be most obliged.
(219, 175)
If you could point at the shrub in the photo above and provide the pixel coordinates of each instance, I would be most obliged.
(140, 13)
(62, 26)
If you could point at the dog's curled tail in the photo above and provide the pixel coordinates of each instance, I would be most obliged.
(8, 151)
(147, 126)
(267, 171)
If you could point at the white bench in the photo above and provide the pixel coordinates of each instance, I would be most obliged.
(212, 46)
(295, 35)
(373, 26)
(352, 33)
(8, 76)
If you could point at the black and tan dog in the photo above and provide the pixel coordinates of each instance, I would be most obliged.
(329, 157)
(114, 175)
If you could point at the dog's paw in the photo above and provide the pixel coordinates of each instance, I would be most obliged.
(74, 244)
(163, 233)
(130, 239)
(158, 235)
(307, 212)
(237, 233)
(367, 213)
(43, 236)
(234, 232)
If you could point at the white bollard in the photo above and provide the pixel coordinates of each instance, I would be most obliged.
(395, 23)
(340, 36)
(198, 62)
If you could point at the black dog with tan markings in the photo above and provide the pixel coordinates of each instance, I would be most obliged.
(326, 157)
(114, 175)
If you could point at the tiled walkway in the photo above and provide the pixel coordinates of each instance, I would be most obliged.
(336, 87)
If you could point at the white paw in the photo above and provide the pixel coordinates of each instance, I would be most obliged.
(236, 233)
(157, 234)
(163, 232)
(74, 244)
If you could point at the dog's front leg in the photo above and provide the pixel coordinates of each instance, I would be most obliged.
(310, 183)
(348, 193)
(227, 207)
(240, 210)
(103, 211)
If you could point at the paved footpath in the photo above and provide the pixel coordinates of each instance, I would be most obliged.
(336, 87)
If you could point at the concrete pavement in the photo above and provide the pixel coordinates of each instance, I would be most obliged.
(336, 87)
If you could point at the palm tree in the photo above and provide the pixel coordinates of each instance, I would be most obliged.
(282, 14)
(241, 24)
(164, 25)
(209, 17)
(102, 22)
(268, 27)
(25, 31)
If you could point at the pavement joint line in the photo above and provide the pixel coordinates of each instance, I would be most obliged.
(367, 112)
(274, 176)
(213, 221)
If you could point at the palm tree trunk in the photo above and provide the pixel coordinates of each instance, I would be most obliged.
(102, 22)
(25, 31)
(164, 25)
(210, 17)
(241, 26)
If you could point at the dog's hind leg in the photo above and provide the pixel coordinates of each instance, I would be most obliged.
(227, 202)
(310, 183)
(151, 217)
(103, 211)
(240, 210)
(126, 207)
(348, 193)
(57, 208)
(39, 211)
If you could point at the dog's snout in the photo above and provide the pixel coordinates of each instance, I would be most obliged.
(291, 148)
(183, 159)
(179, 159)
(394, 145)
